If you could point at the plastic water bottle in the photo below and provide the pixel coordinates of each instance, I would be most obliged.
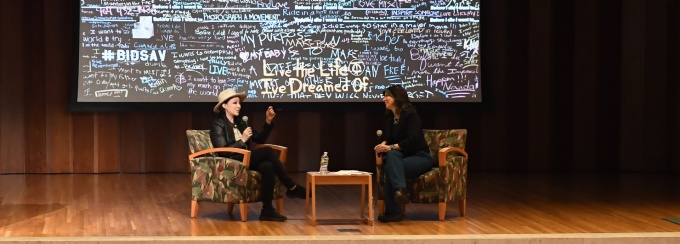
(324, 164)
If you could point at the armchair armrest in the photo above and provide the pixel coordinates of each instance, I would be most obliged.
(452, 174)
(380, 178)
(378, 159)
(246, 153)
(442, 154)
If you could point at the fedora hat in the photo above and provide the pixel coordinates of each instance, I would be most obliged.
(226, 95)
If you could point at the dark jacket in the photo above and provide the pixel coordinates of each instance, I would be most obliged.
(407, 132)
(222, 135)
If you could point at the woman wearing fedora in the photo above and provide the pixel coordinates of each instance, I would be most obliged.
(229, 130)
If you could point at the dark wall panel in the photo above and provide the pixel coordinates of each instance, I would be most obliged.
(538, 82)
(585, 68)
(108, 142)
(632, 123)
(35, 104)
(58, 50)
(656, 81)
(132, 154)
(83, 145)
(570, 85)
(12, 79)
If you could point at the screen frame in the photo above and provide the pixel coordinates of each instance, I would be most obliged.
(75, 106)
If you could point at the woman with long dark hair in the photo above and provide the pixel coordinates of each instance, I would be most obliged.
(406, 154)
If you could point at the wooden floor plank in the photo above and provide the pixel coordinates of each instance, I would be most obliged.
(92, 205)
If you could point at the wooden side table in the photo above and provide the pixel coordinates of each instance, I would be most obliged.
(333, 178)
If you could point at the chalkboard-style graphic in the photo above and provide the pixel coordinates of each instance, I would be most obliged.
(282, 51)
(144, 28)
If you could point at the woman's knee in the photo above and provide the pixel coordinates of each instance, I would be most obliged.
(266, 167)
(393, 154)
(266, 150)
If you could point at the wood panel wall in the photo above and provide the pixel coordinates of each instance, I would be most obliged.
(575, 85)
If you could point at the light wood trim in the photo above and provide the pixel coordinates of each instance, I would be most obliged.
(308, 190)
(371, 214)
(442, 163)
(363, 180)
(446, 150)
(362, 201)
(243, 208)
(378, 159)
(246, 153)
(194, 209)
(279, 206)
(442, 210)
(380, 205)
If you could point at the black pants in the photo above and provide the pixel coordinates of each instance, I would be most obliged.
(265, 161)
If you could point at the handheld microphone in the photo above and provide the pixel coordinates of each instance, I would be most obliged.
(245, 120)
(379, 134)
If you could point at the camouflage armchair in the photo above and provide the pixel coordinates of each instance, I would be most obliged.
(224, 180)
(442, 184)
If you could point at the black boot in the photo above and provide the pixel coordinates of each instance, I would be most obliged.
(270, 214)
(393, 217)
(401, 197)
(297, 192)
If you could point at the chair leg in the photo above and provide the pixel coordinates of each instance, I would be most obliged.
(194, 209)
(243, 207)
(461, 206)
(442, 210)
(279, 205)
(230, 208)
(381, 206)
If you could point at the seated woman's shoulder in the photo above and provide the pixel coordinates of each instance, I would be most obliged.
(218, 120)
(409, 111)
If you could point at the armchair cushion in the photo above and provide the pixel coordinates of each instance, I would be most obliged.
(225, 180)
(443, 184)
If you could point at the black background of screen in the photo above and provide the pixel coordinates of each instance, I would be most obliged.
(281, 104)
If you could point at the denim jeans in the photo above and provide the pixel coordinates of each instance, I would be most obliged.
(397, 169)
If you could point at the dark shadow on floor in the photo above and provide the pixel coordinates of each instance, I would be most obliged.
(14, 213)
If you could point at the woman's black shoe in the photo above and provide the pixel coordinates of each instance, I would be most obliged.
(271, 215)
(298, 192)
(394, 217)
(401, 197)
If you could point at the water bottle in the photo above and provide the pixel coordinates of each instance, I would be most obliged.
(324, 163)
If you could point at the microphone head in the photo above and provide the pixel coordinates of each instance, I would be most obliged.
(378, 133)
(245, 119)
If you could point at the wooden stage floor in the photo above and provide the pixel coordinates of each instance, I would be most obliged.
(147, 205)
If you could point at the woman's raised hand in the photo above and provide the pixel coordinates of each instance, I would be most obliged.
(270, 114)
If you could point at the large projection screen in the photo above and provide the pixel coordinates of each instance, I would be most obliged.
(278, 51)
